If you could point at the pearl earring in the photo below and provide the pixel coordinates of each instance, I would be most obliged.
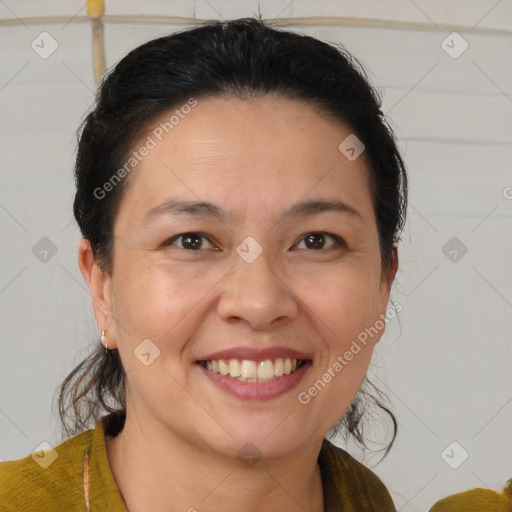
(104, 340)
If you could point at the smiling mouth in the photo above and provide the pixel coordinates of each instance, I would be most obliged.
(246, 370)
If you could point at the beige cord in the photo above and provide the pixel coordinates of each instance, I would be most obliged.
(98, 50)
(318, 21)
(96, 10)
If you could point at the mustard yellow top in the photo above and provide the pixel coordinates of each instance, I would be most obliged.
(477, 500)
(27, 485)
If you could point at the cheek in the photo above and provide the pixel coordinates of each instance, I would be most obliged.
(345, 302)
(157, 301)
(345, 309)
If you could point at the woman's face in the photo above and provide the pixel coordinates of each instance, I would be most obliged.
(262, 274)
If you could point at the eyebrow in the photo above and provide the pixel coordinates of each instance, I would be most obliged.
(181, 207)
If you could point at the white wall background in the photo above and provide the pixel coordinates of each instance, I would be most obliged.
(447, 370)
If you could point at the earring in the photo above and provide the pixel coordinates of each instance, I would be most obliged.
(104, 340)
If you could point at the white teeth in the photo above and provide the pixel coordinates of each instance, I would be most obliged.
(279, 368)
(234, 368)
(252, 371)
(248, 369)
(265, 369)
(223, 367)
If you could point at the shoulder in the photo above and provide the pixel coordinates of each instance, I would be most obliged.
(478, 499)
(44, 479)
(348, 482)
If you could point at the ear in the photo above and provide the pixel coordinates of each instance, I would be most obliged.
(386, 281)
(100, 288)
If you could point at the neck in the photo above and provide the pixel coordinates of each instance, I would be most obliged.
(153, 471)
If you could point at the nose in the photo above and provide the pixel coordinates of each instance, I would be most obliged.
(257, 294)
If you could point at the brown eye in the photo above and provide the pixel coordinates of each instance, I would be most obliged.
(189, 241)
(317, 240)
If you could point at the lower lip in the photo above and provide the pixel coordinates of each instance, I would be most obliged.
(257, 390)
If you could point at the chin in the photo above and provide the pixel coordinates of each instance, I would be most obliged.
(256, 440)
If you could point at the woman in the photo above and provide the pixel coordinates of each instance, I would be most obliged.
(240, 197)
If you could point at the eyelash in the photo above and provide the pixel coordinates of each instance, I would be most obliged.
(336, 238)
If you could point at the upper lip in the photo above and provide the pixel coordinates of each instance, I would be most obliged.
(254, 354)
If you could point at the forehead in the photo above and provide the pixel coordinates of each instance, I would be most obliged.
(248, 155)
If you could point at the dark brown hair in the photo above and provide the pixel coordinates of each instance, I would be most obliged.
(243, 58)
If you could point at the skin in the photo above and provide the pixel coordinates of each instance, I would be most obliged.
(254, 158)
